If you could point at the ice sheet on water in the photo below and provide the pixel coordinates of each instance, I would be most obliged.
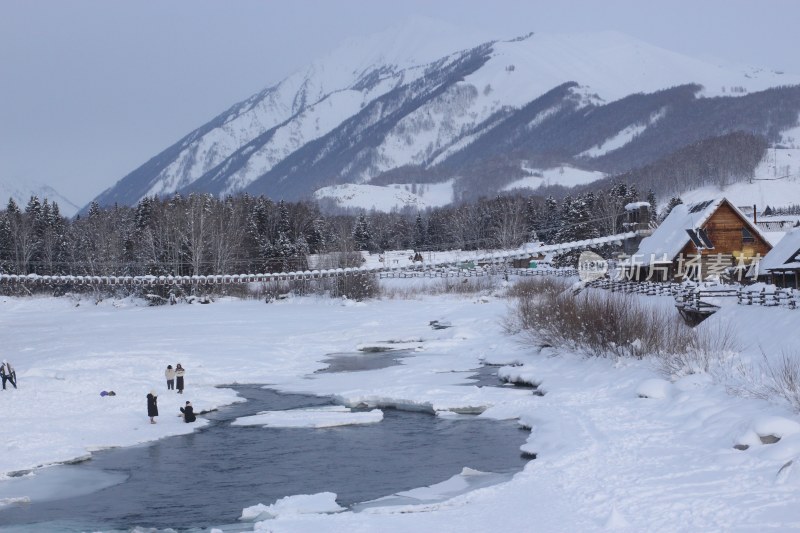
(468, 480)
(323, 502)
(311, 417)
(55, 483)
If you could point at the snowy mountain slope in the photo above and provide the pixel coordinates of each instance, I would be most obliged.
(371, 66)
(21, 193)
(388, 198)
(419, 96)
(775, 182)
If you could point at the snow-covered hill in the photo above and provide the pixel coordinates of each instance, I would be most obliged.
(775, 182)
(22, 192)
(422, 99)
(388, 198)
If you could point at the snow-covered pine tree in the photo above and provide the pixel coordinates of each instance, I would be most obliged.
(279, 254)
(284, 224)
(436, 230)
(651, 199)
(257, 242)
(577, 225)
(420, 233)
(6, 244)
(361, 233)
(316, 237)
(550, 221)
(670, 206)
(532, 216)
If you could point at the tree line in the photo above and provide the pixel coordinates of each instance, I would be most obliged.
(203, 235)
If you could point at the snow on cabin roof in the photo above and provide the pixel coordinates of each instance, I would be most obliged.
(773, 237)
(636, 205)
(784, 255)
(670, 237)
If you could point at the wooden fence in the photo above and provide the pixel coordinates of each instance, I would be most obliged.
(700, 298)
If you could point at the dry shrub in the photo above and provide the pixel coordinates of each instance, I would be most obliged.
(783, 378)
(359, 286)
(770, 380)
(464, 286)
(607, 324)
(709, 347)
(531, 287)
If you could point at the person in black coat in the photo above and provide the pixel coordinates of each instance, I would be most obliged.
(7, 373)
(152, 405)
(179, 372)
(188, 413)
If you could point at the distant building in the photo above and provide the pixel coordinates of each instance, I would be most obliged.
(330, 260)
(398, 258)
(636, 218)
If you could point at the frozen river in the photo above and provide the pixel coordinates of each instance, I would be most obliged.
(205, 478)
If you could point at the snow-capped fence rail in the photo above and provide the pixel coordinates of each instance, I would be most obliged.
(649, 288)
(704, 298)
(558, 272)
(703, 301)
(770, 296)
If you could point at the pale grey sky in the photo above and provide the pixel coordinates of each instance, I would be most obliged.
(91, 89)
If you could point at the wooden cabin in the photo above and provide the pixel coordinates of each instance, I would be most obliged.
(699, 241)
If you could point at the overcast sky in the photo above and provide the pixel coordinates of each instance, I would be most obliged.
(91, 89)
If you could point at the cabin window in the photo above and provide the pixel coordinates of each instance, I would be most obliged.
(703, 236)
(747, 236)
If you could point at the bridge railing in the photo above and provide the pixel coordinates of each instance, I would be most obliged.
(492, 262)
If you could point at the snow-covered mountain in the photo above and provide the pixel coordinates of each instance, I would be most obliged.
(421, 103)
(22, 192)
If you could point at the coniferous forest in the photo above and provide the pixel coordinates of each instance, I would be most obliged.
(203, 235)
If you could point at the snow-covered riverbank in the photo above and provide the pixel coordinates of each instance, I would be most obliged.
(606, 457)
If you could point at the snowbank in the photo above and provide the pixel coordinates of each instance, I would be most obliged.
(605, 458)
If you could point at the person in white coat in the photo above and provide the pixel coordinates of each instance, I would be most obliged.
(170, 375)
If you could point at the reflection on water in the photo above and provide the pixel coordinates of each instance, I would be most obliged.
(208, 477)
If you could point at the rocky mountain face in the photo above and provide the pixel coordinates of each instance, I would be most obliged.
(483, 118)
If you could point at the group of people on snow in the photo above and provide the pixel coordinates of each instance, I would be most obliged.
(173, 374)
(174, 381)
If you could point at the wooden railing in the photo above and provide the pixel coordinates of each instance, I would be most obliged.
(698, 297)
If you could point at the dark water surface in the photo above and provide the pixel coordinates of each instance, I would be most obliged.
(208, 477)
(359, 362)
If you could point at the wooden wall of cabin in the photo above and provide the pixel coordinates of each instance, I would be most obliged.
(724, 229)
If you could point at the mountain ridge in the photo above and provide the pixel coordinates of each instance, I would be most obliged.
(22, 193)
(427, 120)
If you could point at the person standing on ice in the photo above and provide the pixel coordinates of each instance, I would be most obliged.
(188, 412)
(179, 372)
(152, 405)
(170, 374)
(8, 374)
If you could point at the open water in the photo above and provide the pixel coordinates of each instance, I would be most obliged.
(205, 479)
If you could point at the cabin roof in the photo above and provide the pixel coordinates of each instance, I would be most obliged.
(784, 255)
(670, 237)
